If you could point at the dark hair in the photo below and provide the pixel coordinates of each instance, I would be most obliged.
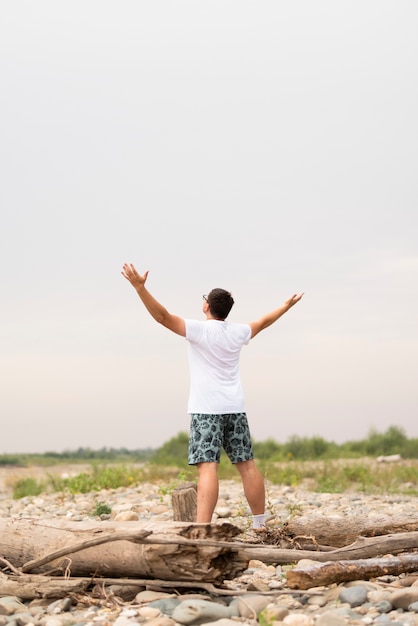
(220, 303)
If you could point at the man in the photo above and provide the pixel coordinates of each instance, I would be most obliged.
(216, 401)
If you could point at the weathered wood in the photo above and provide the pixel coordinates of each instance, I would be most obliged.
(170, 551)
(364, 547)
(309, 574)
(31, 586)
(94, 551)
(135, 537)
(184, 501)
(341, 531)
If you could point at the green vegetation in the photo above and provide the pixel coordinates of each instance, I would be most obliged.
(82, 455)
(100, 509)
(28, 487)
(393, 441)
(314, 464)
(173, 452)
(112, 476)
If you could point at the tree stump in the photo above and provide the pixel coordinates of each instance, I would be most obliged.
(184, 501)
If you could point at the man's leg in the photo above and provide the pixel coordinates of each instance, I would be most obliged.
(238, 446)
(253, 484)
(207, 491)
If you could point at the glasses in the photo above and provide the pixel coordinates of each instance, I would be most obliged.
(205, 298)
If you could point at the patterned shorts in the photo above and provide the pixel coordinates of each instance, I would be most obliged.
(210, 433)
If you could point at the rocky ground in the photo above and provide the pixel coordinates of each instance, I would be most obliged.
(259, 595)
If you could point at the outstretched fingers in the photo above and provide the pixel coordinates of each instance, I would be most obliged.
(130, 273)
(295, 298)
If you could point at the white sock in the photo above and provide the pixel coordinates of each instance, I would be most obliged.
(259, 521)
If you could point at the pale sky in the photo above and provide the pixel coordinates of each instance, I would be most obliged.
(264, 147)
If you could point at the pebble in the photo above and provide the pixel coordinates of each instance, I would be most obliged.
(390, 601)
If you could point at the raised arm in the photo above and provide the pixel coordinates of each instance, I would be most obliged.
(158, 312)
(270, 318)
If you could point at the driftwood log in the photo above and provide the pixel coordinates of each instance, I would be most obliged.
(164, 550)
(30, 586)
(194, 554)
(364, 547)
(307, 575)
(341, 531)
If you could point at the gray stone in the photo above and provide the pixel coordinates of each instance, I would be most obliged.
(126, 592)
(274, 613)
(382, 620)
(10, 604)
(223, 511)
(162, 620)
(317, 601)
(330, 618)
(346, 612)
(202, 611)
(23, 617)
(151, 596)
(384, 606)
(298, 619)
(127, 516)
(51, 621)
(59, 606)
(251, 605)
(402, 598)
(166, 605)
(354, 596)
(122, 620)
(225, 621)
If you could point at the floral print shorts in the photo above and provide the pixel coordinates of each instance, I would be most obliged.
(210, 433)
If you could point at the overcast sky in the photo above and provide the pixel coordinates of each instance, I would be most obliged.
(264, 147)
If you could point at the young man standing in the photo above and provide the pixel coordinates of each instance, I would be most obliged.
(216, 400)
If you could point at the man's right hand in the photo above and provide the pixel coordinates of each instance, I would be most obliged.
(131, 274)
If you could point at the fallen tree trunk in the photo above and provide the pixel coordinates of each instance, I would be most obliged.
(341, 531)
(364, 547)
(169, 551)
(166, 550)
(307, 575)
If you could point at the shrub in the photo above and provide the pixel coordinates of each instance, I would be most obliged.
(27, 487)
(100, 509)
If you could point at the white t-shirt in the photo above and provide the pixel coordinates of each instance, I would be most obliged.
(214, 351)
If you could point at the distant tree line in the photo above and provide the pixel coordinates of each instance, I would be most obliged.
(174, 451)
(392, 441)
(111, 455)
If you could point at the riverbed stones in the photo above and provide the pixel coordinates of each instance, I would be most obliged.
(402, 598)
(259, 595)
(354, 596)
